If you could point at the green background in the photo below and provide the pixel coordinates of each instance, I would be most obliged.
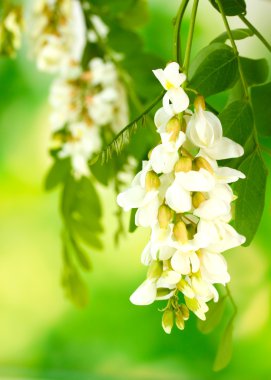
(42, 335)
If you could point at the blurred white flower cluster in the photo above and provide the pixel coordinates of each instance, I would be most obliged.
(83, 100)
(184, 196)
(10, 31)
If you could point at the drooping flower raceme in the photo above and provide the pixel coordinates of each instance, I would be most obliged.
(185, 199)
(58, 33)
(83, 102)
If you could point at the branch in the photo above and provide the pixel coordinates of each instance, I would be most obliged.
(190, 36)
(177, 54)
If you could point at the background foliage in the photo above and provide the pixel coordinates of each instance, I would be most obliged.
(41, 333)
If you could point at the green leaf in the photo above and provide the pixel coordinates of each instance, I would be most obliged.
(260, 97)
(75, 288)
(255, 70)
(57, 173)
(231, 7)
(136, 16)
(238, 34)
(224, 351)
(251, 195)
(81, 210)
(132, 225)
(213, 316)
(237, 121)
(214, 69)
(72, 247)
(127, 42)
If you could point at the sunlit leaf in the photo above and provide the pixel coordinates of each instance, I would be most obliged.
(260, 97)
(213, 316)
(255, 70)
(251, 195)
(238, 34)
(224, 351)
(214, 69)
(57, 173)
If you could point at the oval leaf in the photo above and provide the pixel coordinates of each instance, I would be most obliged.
(213, 316)
(251, 195)
(238, 34)
(214, 69)
(260, 97)
(255, 70)
(231, 7)
(224, 351)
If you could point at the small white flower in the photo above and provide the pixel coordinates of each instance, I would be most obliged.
(145, 294)
(175, 100)
(185, 262)
(213, 267)
(205, 131)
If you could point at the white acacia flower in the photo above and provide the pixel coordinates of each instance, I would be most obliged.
(205, 131)
(185, 262)
(178, 196)
(145, 294)
(213, 267)
(164, 156)
(138, 196)
(84, 142)
(175, 100)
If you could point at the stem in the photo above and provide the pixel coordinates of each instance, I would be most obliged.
(177, 54)
(256, 32)
(190, 36)
(234, 47)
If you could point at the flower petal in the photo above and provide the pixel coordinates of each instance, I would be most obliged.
(131, 198)
(177, 198)
(223, 149)
(145, 294)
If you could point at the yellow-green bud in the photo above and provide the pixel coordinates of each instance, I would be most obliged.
(168, 320)
(201, 163)
(173, 127)
(155, 270)
(180, 232)
(191, 230)
(197, 199)
(179, 320)
(185, 311)
(199, 103)
(165, 214)
(184, 164)
(152, 181)
(162, 292)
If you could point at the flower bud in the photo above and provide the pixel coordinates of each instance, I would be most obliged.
(152, 181)
(180, 232)
(155, 270)
(168, 320)
(199, 103)
(197, 199)
(192, 303)
(185, 311)
(179, 320)
(173, 127)
(184, 164)
(165, 215)
(201, 163)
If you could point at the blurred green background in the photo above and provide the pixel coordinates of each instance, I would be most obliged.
(42, 335)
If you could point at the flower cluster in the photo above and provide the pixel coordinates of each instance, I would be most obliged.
(184, 196)
(83, 102)
(58, 33)
(10, 31)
